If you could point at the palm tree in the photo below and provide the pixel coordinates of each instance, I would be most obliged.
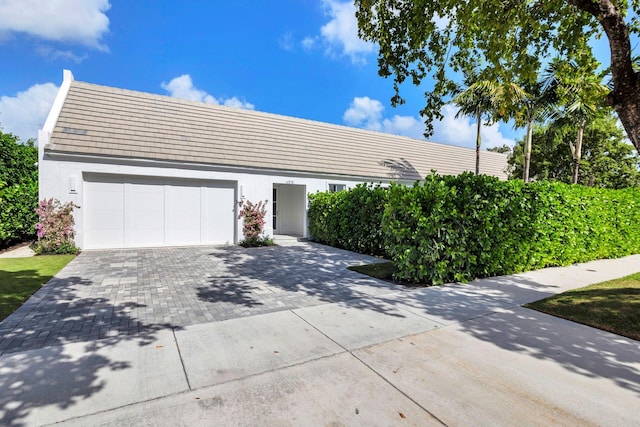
(535, 105)
(490, 99)
(581, 96)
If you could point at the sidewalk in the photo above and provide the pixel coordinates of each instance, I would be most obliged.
(452, 355)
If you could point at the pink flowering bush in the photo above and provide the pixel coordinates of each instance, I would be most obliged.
(55, 228)
(253, 215)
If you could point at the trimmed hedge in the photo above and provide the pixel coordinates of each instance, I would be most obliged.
(456, 228)
(18, 189)
(17, 212)
(349, 219)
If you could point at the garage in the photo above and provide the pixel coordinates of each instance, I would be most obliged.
(129, 212)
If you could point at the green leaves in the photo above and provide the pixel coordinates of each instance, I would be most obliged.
(472, 227)
(457, 228)
(608, 160)
(349, 219)
(18, 189)
(435, 40)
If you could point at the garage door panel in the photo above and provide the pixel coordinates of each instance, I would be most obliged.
(183, 215)
(104, 215)
(127, 211)
(145, 211)
(218, 215)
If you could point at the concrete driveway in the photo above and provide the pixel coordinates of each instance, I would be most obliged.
(288, 336)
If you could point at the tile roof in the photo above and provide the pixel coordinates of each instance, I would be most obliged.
(106, 121)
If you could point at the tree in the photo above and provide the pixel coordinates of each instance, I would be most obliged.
(608, 159)
(503, 149)
(476, 100)
(18, 189)
(580, 95)
(489, 99)
(535, 105)
(419, 39)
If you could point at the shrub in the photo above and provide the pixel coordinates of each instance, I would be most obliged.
(18, 189)
(253, 215)
(55, 228)
(17, 215)
(349, 219)
(456, 228)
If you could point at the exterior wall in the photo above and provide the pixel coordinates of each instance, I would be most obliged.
(64, 180)
(44, 134)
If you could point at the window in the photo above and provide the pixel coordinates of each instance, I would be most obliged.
(334, 188)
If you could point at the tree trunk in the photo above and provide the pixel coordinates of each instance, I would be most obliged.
(527, 151)
(577, 154)
(478, 142)
(625, 97)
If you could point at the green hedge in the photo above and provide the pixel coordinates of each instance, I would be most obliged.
(456, 228)
(349, 219)
(17, 212)
(18, 189)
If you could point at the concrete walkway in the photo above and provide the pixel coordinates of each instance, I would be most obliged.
(357, 353)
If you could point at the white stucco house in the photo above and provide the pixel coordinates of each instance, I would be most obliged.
(150, 170)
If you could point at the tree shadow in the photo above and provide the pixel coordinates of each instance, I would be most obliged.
(615, 310)
(300, 276)
(490, 310)
(579, 349)
(401, 169)
(16, 287)
(45, 377)
(57, 314)
(229, 290)
(37, 371)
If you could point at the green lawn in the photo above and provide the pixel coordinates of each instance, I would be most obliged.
(612, 306)
(379, 270)
(21, 277)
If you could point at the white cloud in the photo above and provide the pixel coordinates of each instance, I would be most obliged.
(287, 42)
(308, 42)
(236, 103)
(404, 125)
(77, 21)
(182, 87)
(339, 36)
(26, 112)
(49, 52)
(367, 113)
(364, 112)
(462, 131)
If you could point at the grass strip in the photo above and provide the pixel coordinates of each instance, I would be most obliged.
(22, 277)
(379, 270)
(612, 306)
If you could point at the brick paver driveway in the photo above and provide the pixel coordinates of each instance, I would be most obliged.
(111, 293)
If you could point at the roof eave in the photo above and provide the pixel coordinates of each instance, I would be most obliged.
(54, 154)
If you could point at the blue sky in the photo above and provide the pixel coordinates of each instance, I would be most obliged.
(299, 58)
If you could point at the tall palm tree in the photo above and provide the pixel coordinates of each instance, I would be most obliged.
(536, 104)
(489, 99)
(581, 97)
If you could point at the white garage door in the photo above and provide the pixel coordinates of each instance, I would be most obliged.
(129, 212)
